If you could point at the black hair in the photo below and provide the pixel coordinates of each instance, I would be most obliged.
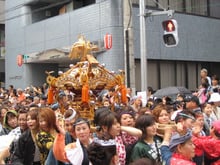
(181, 95)
(217, 134)
(33, 105)
(120, 110)
(10, 114)
(150, 89)
(112, 89)
(144, 121)
(158, 100)
(81, 120)
(22, 111)
(105, 117)
(100, 155)
(15, 92)
(99, 113)
(144, 161)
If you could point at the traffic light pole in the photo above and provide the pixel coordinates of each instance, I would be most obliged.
(169, 13)
(143, 46)
(143, 41)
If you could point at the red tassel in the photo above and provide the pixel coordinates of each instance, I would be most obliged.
(85, 93)
(123, 94)
(50, 96)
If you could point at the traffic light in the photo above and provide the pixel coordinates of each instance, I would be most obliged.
(170, 35)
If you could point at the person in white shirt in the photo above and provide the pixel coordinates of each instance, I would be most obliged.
(204, 74)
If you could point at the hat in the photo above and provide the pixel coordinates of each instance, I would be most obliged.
(195, 99)
(185, 115)
(55, 106)
(215, 97)
(216, 125)
(177, 139)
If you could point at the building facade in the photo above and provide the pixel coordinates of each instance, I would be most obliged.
(2, 43)
(43, 31)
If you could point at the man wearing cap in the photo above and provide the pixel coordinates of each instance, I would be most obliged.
(177, 148)
(209, 144)
(193, 104)
(184, 121)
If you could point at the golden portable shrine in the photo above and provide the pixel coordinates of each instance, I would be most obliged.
(86, 79)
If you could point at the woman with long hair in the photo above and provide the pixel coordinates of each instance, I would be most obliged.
(48, 132)
(66, 128)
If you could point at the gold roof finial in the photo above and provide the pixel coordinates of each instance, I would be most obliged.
(81, 49)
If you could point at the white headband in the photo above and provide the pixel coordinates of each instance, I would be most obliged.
(110, 142)
(72, 116)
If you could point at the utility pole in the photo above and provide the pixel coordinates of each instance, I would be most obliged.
(143, 41)
(143, 45)
(129, 44)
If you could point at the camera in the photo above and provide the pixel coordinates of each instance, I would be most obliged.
(178, 105)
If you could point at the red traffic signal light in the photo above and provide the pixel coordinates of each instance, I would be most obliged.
(169, 26)
(170, 35)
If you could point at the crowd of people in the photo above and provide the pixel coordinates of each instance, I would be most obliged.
(184, 131)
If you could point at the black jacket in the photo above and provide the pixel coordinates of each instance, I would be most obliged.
(24, 150)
